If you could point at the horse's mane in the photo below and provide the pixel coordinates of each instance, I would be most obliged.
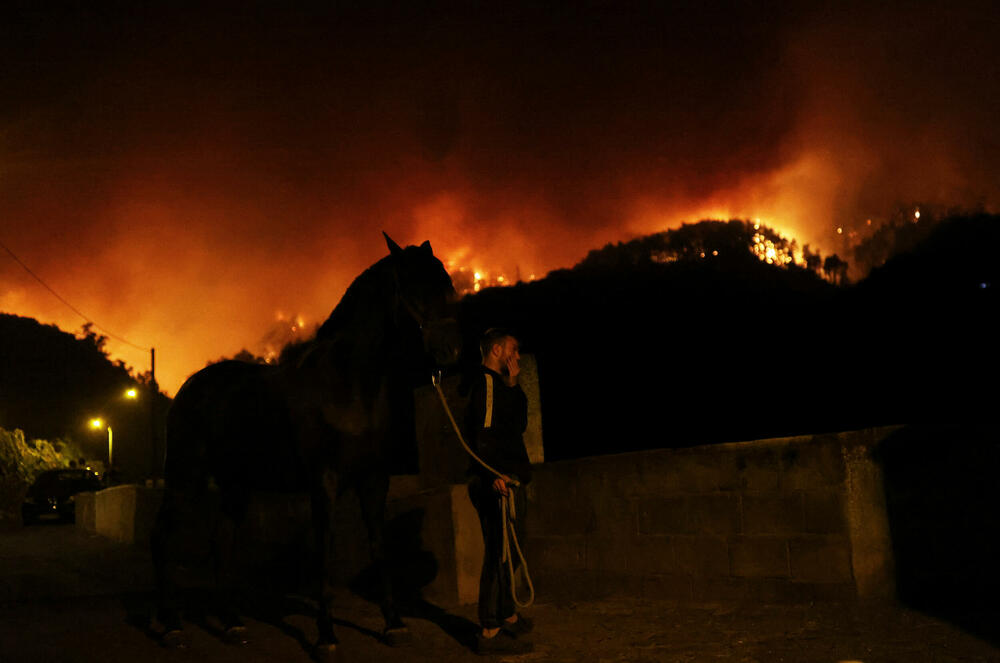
(359, 296)
(362, 291)
(361, 314)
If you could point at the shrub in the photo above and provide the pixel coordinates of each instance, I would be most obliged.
(22, 460)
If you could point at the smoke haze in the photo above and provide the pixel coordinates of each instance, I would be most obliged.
(185, 177)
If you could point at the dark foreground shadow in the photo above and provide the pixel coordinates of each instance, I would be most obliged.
(941, 485)
(277, 611)
(459, 628)
(277, 580)
(199, 610)
(411, 568)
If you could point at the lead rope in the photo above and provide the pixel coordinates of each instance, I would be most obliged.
(507, 509)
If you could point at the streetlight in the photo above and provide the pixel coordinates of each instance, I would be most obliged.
(98, 423)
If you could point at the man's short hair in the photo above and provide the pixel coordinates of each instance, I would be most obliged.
(492, 337)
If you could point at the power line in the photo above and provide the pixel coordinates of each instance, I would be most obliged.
(55, 294)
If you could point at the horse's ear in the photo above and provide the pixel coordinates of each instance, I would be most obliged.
(393, 247)
(427, 247)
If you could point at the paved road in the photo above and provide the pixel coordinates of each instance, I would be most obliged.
(69, 596)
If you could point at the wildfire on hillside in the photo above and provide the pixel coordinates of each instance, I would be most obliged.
(286, 329)
(601, 126)
(771, 252)
(468, 279)
(778, 248)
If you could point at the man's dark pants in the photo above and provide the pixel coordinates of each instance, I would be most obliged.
(495, 600)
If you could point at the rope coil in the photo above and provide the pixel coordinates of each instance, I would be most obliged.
(507, 509)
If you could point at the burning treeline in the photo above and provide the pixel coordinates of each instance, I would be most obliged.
(860, 250)
(712, 241)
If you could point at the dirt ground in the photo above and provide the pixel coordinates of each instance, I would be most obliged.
(68, 596)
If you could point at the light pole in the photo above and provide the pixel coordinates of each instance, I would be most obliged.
(98, 423)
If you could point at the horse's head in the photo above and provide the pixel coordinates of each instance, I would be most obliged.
(426, 295)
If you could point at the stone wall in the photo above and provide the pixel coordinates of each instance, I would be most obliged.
(790, 519)
(793, 519)
(124, 513)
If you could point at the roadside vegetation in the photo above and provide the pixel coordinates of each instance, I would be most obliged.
(21, 461)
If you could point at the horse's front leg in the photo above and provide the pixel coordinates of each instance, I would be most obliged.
(227, 577)
(165, 543)
(323, 499)
(372, 493)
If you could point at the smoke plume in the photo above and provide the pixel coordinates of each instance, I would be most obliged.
(187, 179)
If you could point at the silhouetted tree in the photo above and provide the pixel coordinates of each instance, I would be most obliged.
(733, 241)
(813, 260)
(835, 269)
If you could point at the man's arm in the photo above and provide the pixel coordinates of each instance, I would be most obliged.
(480, 423)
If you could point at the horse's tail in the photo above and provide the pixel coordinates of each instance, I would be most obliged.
(185, 486)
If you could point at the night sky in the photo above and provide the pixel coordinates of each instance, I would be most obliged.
(186, 176)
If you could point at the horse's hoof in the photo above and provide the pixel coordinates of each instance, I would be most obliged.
(175, 639)
(396, 637)
(325, 652)
(235, 635)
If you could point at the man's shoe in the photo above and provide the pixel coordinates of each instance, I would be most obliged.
(522, 626)
(502, 644)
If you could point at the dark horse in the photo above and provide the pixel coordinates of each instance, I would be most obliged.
(320, 421)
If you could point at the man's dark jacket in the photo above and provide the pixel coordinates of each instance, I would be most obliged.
(496, 418)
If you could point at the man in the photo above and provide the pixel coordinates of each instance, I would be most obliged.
(496, 418)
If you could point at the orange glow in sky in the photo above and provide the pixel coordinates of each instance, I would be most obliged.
(184, 179)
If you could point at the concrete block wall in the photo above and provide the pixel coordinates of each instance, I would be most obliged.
(124, 513)
(791, 519)
(86, 512)
(441, 527)
(769, 520)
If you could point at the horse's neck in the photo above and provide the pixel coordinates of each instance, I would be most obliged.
(361, 334)
(368, 342)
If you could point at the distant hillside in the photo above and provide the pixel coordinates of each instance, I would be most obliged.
(958, 255)
(673, 339)
(649, 344)
(732, 244)
(52, 383)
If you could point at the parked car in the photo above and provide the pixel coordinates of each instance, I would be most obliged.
(54, 494)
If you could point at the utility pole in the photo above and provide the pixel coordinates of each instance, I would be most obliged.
(153, 393)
